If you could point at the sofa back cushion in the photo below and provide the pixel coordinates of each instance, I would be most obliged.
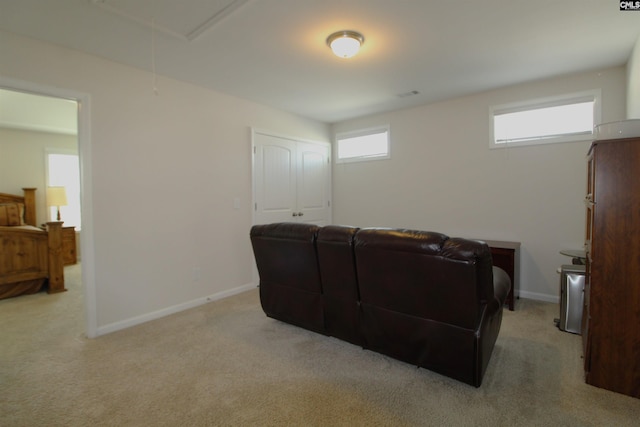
(339, 282)
(337, 262)
(290, 287)
(424, 274)
(286, 254)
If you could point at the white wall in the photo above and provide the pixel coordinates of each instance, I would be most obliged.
(443, 177)
(165, 171)
(633, 83)
(22, 162)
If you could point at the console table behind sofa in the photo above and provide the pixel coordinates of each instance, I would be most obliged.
(506, 255)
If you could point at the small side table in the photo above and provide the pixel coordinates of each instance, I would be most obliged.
(506, 255)
(69, 254)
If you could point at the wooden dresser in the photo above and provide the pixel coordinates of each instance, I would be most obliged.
(611, 314)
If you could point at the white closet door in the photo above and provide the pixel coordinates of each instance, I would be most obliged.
(313, 183)
(274, 172)
(292, 180)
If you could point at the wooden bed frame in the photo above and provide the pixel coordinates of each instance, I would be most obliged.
(30, 258)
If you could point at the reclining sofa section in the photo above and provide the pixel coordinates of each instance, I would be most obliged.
(417, 296)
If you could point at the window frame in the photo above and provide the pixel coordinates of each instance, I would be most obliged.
(593, 95)
(363, 132)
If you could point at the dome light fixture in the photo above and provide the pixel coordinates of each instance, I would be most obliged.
(346, 43)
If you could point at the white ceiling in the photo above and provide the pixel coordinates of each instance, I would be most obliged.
(273, 51)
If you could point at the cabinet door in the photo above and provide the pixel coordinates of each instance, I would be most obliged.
(585, 319)
(612, 349)
(587, 246)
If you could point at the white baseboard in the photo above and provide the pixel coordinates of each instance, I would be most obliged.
(123, 324)
(539, 297)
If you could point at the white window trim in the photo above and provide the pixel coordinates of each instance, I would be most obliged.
(363, 132)
(589, 95)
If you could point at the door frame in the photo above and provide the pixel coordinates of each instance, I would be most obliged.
(83, 101)
(255, 131)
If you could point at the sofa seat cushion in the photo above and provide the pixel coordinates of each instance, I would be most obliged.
(422, 342)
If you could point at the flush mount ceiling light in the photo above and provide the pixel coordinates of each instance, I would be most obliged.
(345, 44)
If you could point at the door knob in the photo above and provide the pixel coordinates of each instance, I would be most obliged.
(300, 214)
(294, 214)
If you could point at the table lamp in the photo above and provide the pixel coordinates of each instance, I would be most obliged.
(57, 196)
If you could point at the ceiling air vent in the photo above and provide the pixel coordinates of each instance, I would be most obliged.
(411, 93)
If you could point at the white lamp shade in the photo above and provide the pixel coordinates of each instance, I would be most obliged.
(56, 196)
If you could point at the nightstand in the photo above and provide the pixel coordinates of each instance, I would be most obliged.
(69, 255)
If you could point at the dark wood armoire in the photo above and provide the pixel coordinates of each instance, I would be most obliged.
(611, 313)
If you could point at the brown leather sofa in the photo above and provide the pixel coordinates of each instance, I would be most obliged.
(417, 296)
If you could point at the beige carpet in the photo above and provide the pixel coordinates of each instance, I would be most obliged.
(226, 363)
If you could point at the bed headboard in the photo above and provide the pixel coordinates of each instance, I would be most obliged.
(29, 201)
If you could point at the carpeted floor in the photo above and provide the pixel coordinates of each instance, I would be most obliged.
(227, 364)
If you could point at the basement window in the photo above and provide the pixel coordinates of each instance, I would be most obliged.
(544, 121)
(363, 145)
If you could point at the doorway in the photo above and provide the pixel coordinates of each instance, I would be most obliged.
(291, 180)
(82, 107)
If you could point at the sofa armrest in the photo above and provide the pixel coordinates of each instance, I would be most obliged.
(501, 285)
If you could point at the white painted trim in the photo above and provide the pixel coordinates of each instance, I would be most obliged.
(187, 34)
(84, 152)
(87, 245)
(113, 327)
(285, 136)
(260, 131)
(40, 128)
(254, 268)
